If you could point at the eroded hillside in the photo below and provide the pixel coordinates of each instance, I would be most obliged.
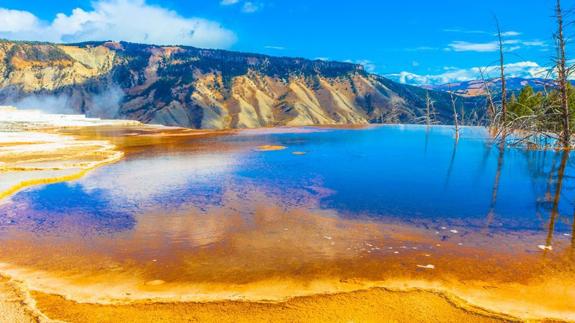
(217, 89)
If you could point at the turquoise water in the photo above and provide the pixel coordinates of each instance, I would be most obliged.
(392, 173)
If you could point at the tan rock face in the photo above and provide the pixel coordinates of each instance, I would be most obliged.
(48, 67)
(211, 89)
(257, 100)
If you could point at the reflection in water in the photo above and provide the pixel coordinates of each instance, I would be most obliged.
(547, 199)
(573, 238)
(427, 130)
(215, 219)
(452, 160)
(376, 172)
(556, 199)
(537, 165)
(500, 157)
(259, 248)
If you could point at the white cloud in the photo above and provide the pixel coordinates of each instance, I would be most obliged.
(128, 20)
(251, 7)
(368, 65)
(493, 46)
(150, 179)
(228, 2)
(247, 6)
(421, 49)
(526, 69)
(510, 33)
(17, 21)
(510, 38)
(463, 46)
(274, 47)
(536, 43)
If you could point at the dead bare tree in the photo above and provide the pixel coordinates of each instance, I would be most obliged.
(455, 121)
(393, 116)
(502, 71)
(565, 136)
(428, 106)
(491, 110)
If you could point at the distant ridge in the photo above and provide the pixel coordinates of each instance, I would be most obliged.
(205, 88)
(478, 87)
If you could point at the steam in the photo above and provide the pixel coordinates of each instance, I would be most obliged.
(105, 104)
(47, 103)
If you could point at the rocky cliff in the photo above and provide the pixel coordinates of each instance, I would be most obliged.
(199, 88)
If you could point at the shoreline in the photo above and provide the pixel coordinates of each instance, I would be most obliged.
(371, 305)
(53, 180)
(101, 282)
(367, 305)
(17, 304)
(39, 149)
(50, 173)
(110, 289)
(452, 297)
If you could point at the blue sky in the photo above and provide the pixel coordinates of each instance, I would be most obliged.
(414, 41)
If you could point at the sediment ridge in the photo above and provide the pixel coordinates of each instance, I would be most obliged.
(367, 304)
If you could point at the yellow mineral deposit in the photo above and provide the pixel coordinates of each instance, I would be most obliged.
(327, 264)
(33, 153)
(270, 148)
(39, 148)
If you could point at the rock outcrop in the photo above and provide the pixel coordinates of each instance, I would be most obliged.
(211, 89)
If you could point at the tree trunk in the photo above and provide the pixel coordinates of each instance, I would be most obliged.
(455, 118)
(502, 70)
(565, 136)
(428, 109)
(491, 111)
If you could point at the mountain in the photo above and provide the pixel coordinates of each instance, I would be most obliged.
(478, 87)
(204, 88)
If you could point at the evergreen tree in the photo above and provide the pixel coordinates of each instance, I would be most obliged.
(526, 104)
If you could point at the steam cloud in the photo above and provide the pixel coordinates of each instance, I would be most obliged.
(105, 104)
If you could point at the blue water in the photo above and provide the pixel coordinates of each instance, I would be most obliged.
(392, 173)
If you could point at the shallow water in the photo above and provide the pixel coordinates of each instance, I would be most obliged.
(218, 218)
